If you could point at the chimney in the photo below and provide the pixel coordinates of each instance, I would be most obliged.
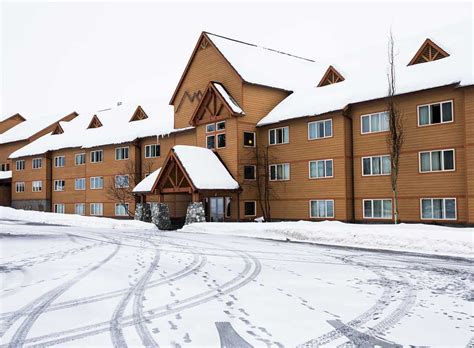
(119, 103)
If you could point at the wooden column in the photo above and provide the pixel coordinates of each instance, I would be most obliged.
(195, 196)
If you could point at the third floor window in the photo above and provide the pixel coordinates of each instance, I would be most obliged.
(435, 113)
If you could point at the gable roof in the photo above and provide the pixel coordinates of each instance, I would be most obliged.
(331, 76)
(94, 123)
(259, 65)
(147, 183)
(365, 75)
(432, 50)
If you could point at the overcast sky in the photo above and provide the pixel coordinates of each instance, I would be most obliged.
(59, 57)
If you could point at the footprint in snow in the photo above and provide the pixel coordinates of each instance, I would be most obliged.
(187, 338)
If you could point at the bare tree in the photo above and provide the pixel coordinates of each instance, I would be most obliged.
(122, 191)
(395, 136)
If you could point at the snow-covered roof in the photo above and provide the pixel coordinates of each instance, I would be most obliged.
(265, 66)
(204, 168)
(147, 183)
(6, 175)
(27, 128)
(228, 98)
(366, 74)
(116, 128)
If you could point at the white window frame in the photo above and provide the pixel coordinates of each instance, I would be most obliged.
(80, 205)
(216, 140)
(20, 184)
(324, 127)
(431, 161)
(92, 155)
(381, 165)
(21, 164)
(57, 181)
(325, 208)
(254, 208)
(83, 155)
(122, 151)
(254, 172)
(122, 175)
(92, 179)
(217, 126)
(150, 146)
(276, 165)
(370, 122)
(418, 107)
(276, 129)
(372, 204)
(33, 163)
(207, 128)
(55, 208)
(321, 177)
(76, 181)
(57, 158)
(254, 139)
(37, 187)
(121, 204)
(4, 167)
(93, 213)
(444, 209)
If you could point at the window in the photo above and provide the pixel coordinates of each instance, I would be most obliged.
(97, 209)
(377, 208)
(249, 172)
(80, 208)
(80, 184)
(435, 113)
(250, 208)
(217, 139)
(227, 207)
(321, 209)
(37, 186)
(59, 161)
(152, 150)
(37, 163)
(80, 159)
(4, 167)
(320, 169)
(97, 156)
(438, 208)
(121, 209)
(20, 187)
(436, 161)
(320, 129)
(121, 153)
(96, 182)
(59, 208)
(279, 135)
(20, 165)
(280, 172)
(374, 123)
(376, 165)
(59, 185)
(249, 139)
(121, 181)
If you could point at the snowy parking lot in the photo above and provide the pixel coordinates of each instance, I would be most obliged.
(84, 286)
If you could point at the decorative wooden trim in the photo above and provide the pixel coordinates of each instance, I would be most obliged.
(138, 115)
(330, 76)
(428, 52)
(58, 129)
(94, 123)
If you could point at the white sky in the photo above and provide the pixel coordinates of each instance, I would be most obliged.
(58, 57)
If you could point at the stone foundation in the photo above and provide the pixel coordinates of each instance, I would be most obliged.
(160, 215)
(143, 212)
(195, 213)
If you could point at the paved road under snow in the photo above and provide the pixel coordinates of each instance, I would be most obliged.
(79, 287)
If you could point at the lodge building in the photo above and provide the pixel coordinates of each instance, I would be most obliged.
(249, 129)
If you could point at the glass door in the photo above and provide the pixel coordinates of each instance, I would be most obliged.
(216, 209)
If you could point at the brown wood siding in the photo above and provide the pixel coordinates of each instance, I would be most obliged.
(469, 151)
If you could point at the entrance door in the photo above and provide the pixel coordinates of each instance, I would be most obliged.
(216, 209)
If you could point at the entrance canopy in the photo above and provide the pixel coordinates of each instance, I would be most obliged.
(191, 169)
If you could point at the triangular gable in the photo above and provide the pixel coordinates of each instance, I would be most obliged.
(331, 76)
(173, 177)
(94, 123)
(204, 42)
(215, 104)
(58, 129)
(139, 114)
(428, 52)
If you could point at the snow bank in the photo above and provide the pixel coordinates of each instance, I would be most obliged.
(426, 239)
(72, 220)
(6, 175)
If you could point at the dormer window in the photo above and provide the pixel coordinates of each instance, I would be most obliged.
(138, 115)
(428, 52)
(95, 122)
(331, 76)
(58, 129)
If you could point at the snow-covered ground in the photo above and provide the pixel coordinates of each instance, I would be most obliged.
(84, 286)
(419, 238)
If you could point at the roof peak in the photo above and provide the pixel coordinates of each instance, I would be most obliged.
(257, 46)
